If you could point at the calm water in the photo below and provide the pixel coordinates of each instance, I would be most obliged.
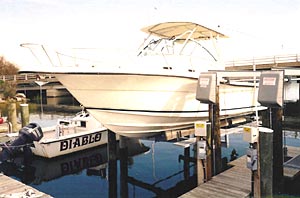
(154, 168)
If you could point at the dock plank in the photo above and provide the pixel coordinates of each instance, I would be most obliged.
(232, 183)
(13, 188)
(225, 190)
(293, 151)
(292, 172)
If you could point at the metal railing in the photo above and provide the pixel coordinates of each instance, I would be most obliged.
(25, 77)
(289, 58)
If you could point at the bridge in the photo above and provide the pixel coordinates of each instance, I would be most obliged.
(28, 78)
(291, 61)
(34, 82)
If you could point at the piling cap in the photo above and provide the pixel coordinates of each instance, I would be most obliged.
(265, 130)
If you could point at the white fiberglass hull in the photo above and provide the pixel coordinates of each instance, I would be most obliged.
(139, 104)
(54, 147)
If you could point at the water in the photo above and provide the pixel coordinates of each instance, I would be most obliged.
(154, 168)
(85, 174)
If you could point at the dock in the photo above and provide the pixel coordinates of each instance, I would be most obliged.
(236, 181)
(10, 188)
(292, 170)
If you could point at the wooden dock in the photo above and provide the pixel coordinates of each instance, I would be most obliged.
(288, 171)
(10, 188)
(236, 181)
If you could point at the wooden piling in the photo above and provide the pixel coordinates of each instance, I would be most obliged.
(255, 176)
(277, 151)
(209, 157)
(12, 115)
(123, 166)
(112, 163)
(214, 119)
(24, 114)
(265, 154)
(186, 163)
(272, 118)
(266, 118)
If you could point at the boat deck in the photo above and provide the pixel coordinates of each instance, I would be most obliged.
(50, 133)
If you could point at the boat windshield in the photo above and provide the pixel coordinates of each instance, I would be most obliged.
(183, 44)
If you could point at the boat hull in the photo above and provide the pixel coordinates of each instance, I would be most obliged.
(54, 147)
(141, 104)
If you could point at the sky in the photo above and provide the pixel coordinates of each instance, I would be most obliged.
(255, 27)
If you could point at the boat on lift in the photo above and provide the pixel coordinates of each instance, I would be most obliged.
(152, 91)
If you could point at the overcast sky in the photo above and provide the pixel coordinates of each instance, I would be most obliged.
(255, 27)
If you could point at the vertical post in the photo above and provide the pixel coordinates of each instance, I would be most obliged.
(112, 163)
(265, 118)
(24, 114)
(186, 163)
(12, 115)
(216, 135)
(123, 166)
(271, 88)
(277, 150)
(209, 156)
(272, 118)
(41, 83)
(41, 100)
(255, 176)
(266, 162)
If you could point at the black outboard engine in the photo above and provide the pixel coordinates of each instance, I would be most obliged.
(27, 135)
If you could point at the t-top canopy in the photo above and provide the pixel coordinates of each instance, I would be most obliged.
(170, 29)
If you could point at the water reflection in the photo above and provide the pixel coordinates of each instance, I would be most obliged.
(119, 174)
(35, 170)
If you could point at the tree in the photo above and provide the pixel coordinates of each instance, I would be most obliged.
(7, 68)
(8, 88)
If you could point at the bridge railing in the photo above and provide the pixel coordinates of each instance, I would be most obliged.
(289, 58)
(25, 77)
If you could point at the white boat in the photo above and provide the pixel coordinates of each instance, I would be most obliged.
(67, 136)
(70, 135)
(155, 90)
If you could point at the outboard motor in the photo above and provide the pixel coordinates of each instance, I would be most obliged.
(27, 135)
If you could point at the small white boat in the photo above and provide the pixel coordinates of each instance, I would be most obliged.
(68, 136)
